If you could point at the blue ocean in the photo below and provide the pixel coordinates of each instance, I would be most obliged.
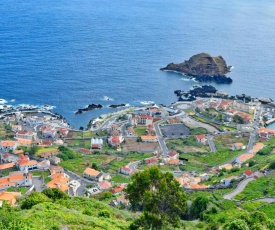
(69, 54)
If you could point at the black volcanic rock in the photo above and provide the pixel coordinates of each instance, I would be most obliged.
(203, 68)
(117, 106)
(89, 107)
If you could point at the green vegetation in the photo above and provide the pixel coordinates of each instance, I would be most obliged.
(139, 131)
(238, 119)
(222, 141)
(187, 145)
(54, 210)
(120, 179)
(264, 186)
(44, 150)
(210, 159)
(160, 196)
(77, 162)
(197, 131)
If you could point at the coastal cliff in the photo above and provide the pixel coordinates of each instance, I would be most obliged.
(203, 67)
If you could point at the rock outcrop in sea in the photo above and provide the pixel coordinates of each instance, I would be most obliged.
(204, 68)
(117, 106)
(89, 107)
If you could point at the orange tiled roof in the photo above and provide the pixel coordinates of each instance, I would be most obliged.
(20, 151)
(256, 148)
(7, 166)
(8, 143)
(21, 141)
(28, 163)
(148, 137)
(59, 181)
(239, 144)
(91, 172)
(245, 157)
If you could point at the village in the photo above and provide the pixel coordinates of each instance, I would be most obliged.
(210, 143)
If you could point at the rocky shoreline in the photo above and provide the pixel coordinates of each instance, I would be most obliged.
(117, 106)
(88, 108)
(204, 68)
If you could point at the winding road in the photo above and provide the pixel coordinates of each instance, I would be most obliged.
(241, 186)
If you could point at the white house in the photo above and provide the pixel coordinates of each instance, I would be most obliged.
(26, 135)
(48, 131)
(227, 181)
(126, 170)
(8, 145)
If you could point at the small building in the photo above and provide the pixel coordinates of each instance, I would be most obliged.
(96, 143)
(49, 154)
(237, 146)
(16, 179)
(118, 189)
(228, 180)
(24, 142)
(173, 154)
(244, 157)
(30, 165)
(104, 185)
(149, 138)
(130, 131)
(10, 197)
(93, 174)
(201, 139)
(48, 131)
(60, 181)
(126, 170)
(63, 132)
(8, 146)
(56, 169)
(26, 135)
(122, 200)
(7, 166)
(143, 120)
(248, 173)
(150, 161)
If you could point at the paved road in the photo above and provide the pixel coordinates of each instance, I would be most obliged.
(133, 165)
(241, 186)
(161, 139)
(83, 182)
(211, 144)
(268, 200)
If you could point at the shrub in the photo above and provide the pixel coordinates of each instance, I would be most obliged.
(104, 213)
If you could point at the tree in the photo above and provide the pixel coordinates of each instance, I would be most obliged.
(55, 194)
(199, 206)
(238, 119)
(159, 196)
(272, 165)
(237, 224)
(33, 199)
(94, 166)
(259, 217)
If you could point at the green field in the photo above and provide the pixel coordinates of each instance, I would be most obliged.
(106, 163)
(139, 131)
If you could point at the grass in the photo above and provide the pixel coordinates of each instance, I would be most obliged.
(45, 149)
(121, 179)
(187, 145)
(197, 131)
(210, 159)
(252, 205)
(139, 131)
(105, 162)
(23, 190)
(269, 210)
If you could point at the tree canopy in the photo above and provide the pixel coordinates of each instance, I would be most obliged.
(159, 196)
